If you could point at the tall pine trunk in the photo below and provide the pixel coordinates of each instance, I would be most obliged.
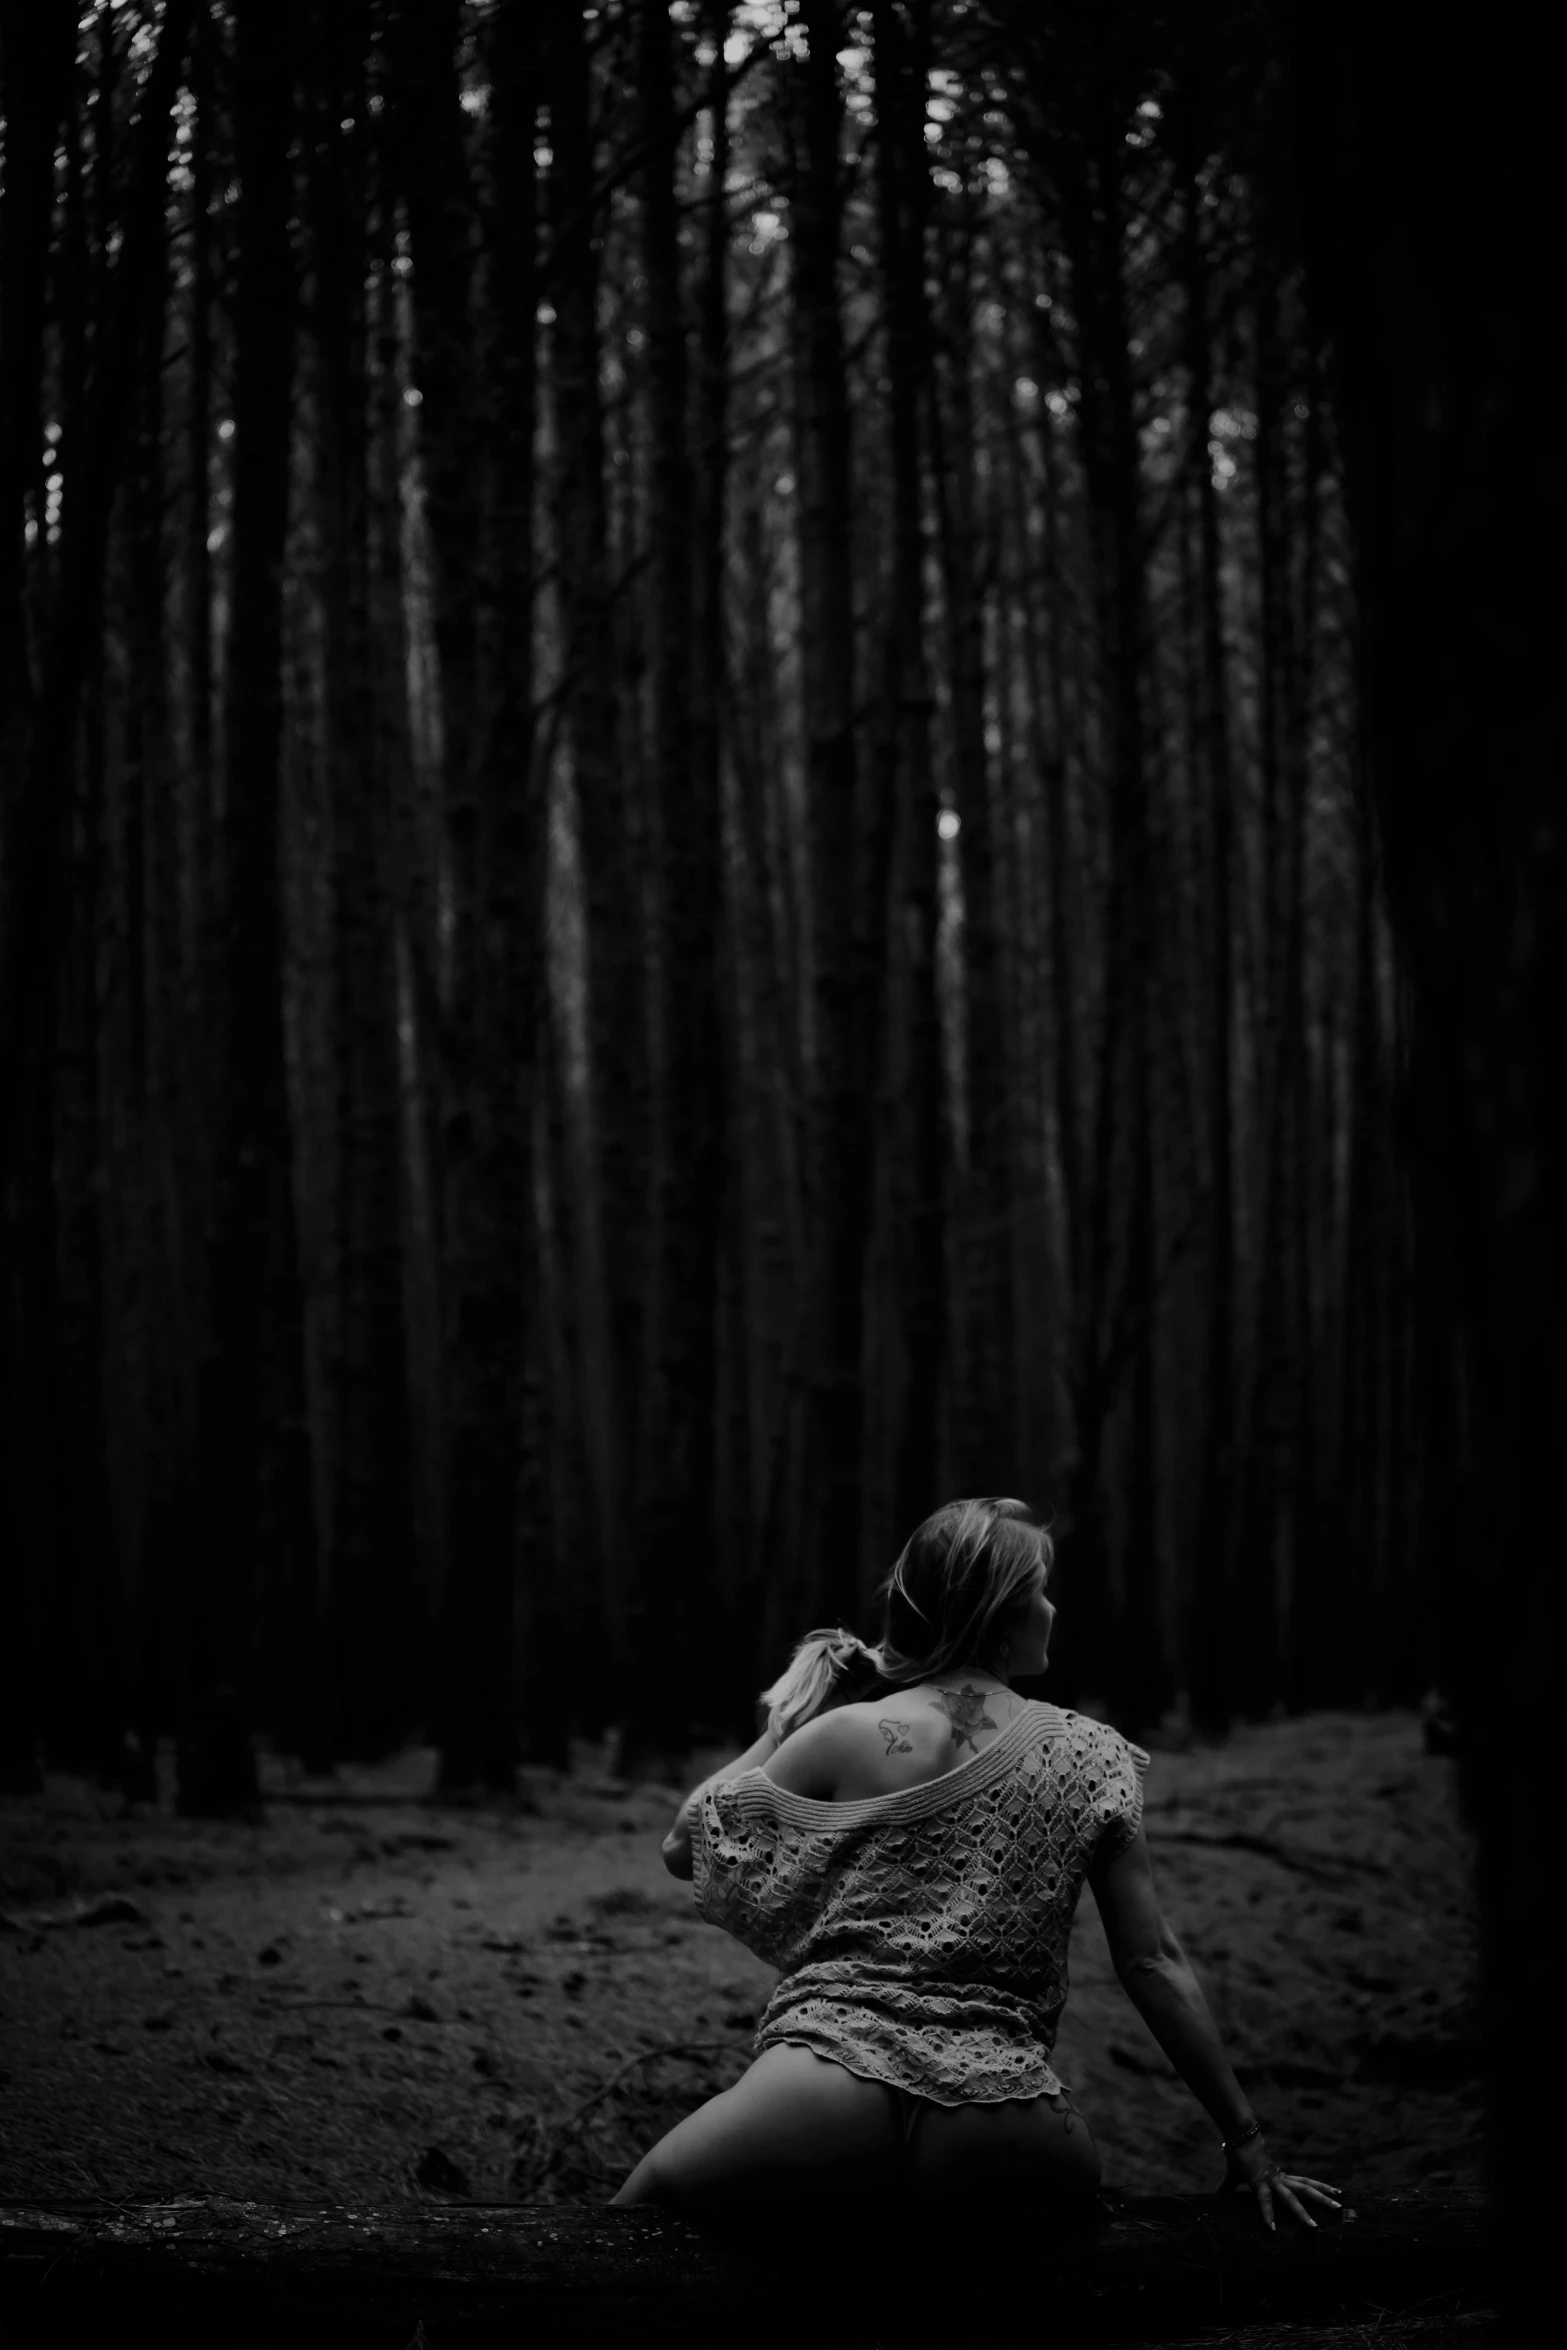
(672, 1556)
(1117, 1317)
(36, 56)
(917, 1129)
(476, 1703)
(984, 1366)
(498, 1567)
(247, 1472)
(40, 733)
(848, 836)
(610, 1220)
(362, 1701)
(1461, 592)
(1209, 1668)
(1269, 1400)
(737, 1400)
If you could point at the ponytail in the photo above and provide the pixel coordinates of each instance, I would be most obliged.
(822, 1663)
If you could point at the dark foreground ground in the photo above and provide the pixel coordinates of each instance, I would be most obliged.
(368, 1999)
(1414, 2272)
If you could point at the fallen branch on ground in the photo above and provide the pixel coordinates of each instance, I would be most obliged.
(1141, 2270)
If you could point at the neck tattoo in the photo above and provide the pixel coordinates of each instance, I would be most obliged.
(965, 1710)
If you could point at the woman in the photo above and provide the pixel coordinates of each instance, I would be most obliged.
(906, 1842)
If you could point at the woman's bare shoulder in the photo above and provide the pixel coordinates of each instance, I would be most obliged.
(811, 1760)
(849, 1751)
(886, 1744)
(890, 1744)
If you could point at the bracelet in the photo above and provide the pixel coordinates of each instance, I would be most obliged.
(1252, 2130)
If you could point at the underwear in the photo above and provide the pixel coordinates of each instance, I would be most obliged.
(910, 2109)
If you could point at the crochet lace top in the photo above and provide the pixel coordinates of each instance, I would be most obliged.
(921, 1936)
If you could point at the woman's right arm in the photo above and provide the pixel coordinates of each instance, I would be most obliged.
(676, 1846)
(1157, 1977)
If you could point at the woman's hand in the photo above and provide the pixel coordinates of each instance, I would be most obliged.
(1251, 2170)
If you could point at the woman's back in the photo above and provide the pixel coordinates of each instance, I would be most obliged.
(905, 1739)
(920, 1927)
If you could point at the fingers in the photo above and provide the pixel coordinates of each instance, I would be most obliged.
(1292, 2188)
(1316, 2188)
(1291, 2203)
(1291, 2191)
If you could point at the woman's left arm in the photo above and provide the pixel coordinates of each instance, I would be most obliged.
(1157, 1977)
(677, 1844)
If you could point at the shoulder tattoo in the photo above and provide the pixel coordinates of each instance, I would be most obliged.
(965, 1710)
(897, 1737)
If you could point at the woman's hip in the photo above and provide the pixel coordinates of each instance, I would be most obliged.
(801, 2124)
(1035, 2141)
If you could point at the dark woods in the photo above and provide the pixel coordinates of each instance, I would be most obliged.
(692, 704)
(684, 868)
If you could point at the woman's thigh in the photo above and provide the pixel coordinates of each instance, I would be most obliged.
(794, 2123)
(1036, 2145)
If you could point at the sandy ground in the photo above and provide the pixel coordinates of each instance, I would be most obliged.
(365, 1995)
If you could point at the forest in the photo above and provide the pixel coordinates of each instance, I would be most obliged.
(685, 868)
(761, 759)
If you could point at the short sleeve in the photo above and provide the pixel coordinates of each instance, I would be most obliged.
(1120, 1803)
(751, 1875)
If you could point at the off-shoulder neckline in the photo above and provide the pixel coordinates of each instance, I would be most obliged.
(1038, 1719)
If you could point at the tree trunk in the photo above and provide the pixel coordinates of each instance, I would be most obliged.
(416, 894)
(1302, 1143)
(503, 1634)
(1209, 1660)
(438, 198)
(985, 1367)
(736, 1401)
(918, 1130)
(251, 1393)
(196, 570)
(37, 741)
(611, 1219)
(139, 1077)
(476, 1707)
(362, 1701)
(1116, 1326)
(671, 1592)
(36, 59)
(848, 835)
(771, 965)
(1272, 1405)
(1445, 357)
(1343, 1601)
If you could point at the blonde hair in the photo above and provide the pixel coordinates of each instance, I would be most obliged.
(955, 1583)
(822, 1663)
(957, 1579)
